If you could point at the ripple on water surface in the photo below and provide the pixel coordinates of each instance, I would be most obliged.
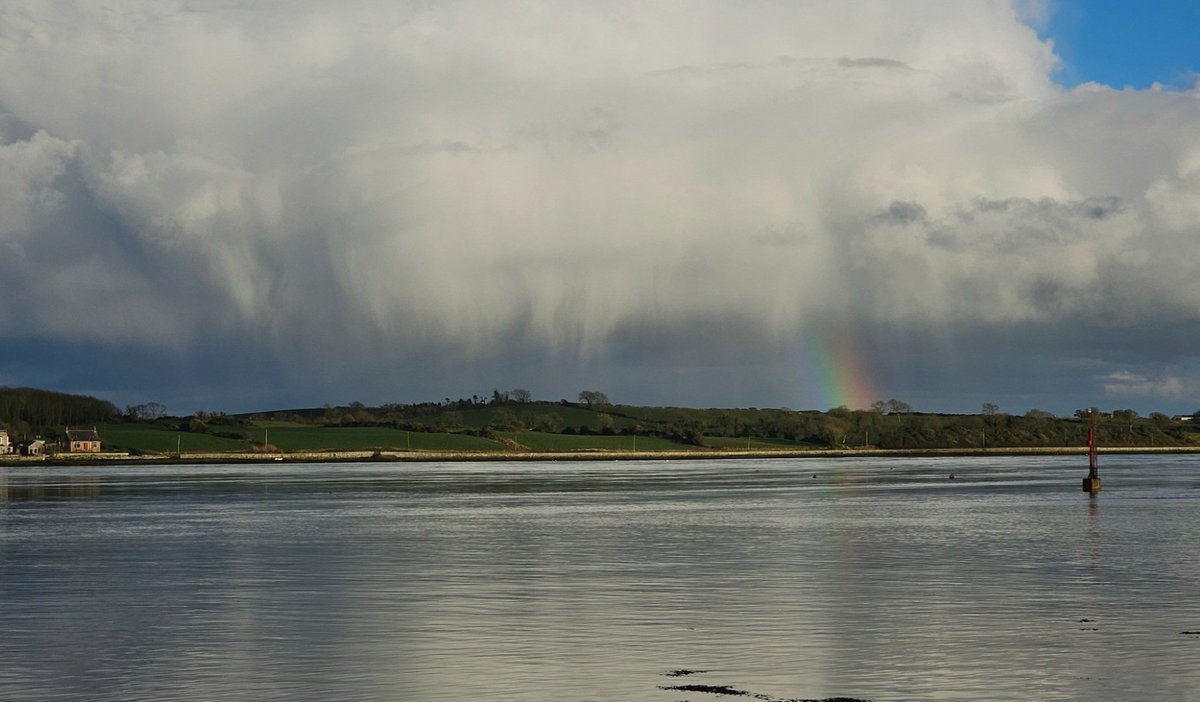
(783, 579)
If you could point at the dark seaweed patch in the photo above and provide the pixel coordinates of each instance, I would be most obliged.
(730, 691)
(734, 692)
(711, 689)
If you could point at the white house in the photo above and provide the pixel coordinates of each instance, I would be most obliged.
(5, 443)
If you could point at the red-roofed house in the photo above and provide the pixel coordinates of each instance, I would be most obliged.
(82, 440)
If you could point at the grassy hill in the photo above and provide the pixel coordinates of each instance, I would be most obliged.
(501, 425)
(158, 438)
(577, 426)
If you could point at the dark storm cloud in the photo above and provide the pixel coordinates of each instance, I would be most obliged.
(869, 62)
(904, 213)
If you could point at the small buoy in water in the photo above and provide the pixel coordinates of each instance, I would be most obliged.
(952, 476)
(814, 476)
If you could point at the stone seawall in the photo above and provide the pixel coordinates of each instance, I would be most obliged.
(581, 455)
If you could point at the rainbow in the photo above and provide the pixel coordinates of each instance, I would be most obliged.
(835, 371)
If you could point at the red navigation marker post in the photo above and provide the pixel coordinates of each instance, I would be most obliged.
(1091, 484)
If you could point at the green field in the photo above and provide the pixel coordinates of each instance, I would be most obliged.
(737, 442)
(528, 415)
(283, 436)
(541, 441)
(161, 439)
(300, 438)
(292, 436)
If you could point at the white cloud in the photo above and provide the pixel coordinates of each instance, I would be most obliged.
(469, 175)
(1128, 384)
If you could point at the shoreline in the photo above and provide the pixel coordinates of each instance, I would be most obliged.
(372, 456)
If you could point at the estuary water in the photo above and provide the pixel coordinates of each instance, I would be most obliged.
(879, 579)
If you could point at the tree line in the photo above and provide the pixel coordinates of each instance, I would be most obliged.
(887, 424)
(26, 412)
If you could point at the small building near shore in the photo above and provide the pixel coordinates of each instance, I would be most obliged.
(6, 446)
(36, 447)
(82, 440)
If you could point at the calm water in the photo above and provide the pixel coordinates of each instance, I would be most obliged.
(878, 579)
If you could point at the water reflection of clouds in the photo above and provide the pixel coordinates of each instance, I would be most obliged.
(393, 583)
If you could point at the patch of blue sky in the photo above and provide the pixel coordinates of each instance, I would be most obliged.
(1125, 43)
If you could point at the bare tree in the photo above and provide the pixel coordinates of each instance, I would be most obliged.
(147, 412)
(593, 398)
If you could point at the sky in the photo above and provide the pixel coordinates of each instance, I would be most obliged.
(238, 206)
(1123, 44)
